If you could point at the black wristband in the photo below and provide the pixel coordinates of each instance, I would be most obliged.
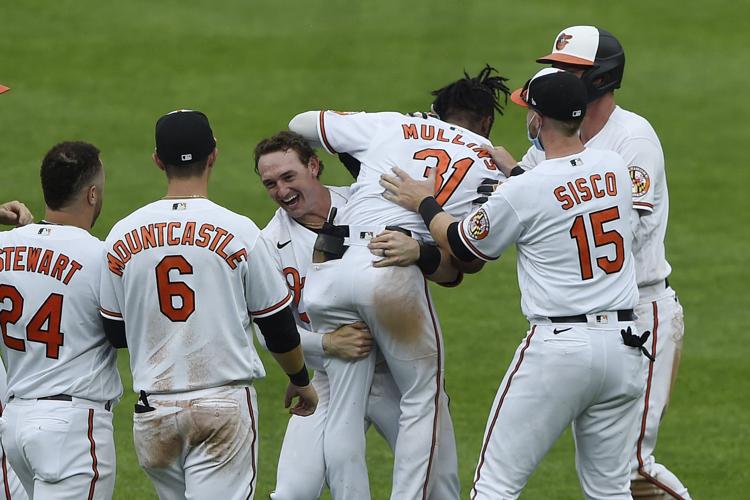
(428, 209)
(301, 378)
(517, 170)
(429, 258)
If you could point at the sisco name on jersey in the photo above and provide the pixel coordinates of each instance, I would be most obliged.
(39, 260)
(160, 234)
(432, 133)
(586, 189)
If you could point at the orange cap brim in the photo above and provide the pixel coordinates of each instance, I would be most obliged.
(517, 97)
(564, 58)
(3, 88)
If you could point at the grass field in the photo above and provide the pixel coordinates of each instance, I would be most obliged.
(104, 71)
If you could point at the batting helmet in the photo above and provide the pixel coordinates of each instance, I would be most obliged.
(596, 51)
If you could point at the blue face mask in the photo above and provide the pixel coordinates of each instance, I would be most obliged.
(537, 140)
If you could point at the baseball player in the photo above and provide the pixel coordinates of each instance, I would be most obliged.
(62, 373)
(12, 213)
(289, 169)
(581, 360)
(183, 279)
(597, 57)
(343, 285)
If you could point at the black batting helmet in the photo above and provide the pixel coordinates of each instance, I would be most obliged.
(596, 51)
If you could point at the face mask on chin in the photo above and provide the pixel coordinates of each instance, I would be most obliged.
(536, 140)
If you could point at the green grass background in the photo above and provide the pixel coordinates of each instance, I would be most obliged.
(104, 71)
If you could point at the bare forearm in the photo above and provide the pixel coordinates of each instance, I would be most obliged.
(292, 361)
(439, 230)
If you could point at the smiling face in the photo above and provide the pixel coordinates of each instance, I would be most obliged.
(293, 185)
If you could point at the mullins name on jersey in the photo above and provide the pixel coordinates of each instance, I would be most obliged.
(39, 260)
(159, 234)
(429, 132)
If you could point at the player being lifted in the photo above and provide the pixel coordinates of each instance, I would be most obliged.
(184, 277)
(62, 372)
(290, 171)
(581, 360)
(344, 286)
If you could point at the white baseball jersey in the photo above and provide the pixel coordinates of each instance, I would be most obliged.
(633, 138)
(293, 255)
(53, 340)
(381, 141)
(570, 217)
(186, 276)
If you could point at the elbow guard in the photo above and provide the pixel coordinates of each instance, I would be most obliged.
(279, 330)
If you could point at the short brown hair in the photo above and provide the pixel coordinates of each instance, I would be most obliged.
(284, 141)
(569, 127)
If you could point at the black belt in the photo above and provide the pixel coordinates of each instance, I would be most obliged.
(67, 397)
(622, 315)
(57, 397)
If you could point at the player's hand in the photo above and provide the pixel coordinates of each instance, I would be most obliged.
(348, 342)
(396, 248)
(502, 158)
(15, 213)
(401, 189)
(307, 400)
(423, 114)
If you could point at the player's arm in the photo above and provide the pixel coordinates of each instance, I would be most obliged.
(465, 240)
(352, 341)
(110, 298)
(283, 342)
(337, 132)
(115, 332)
(399, 249)
(268, 301)
(645, 162)
(15, 213)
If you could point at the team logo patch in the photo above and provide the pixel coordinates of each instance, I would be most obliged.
(640, 179)
(562, 41)
(479, 225)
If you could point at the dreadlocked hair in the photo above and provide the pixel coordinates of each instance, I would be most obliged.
(479, 95)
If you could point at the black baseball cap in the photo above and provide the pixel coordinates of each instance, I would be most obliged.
(184, 136)
(554, 93)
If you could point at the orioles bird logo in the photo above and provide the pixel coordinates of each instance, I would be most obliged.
(562, 41)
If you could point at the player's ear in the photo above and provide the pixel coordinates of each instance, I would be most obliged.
(92, 195)
(212, 157)
(157, 161)
(486, 125)
(314, 166)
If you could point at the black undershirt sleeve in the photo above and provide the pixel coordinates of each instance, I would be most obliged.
(279, 330)
(352, 164)
(114, 330)
(458, 248)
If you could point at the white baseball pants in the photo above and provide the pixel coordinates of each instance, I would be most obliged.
(60, 449)
(200, 444)
(301, 469)
(395, 304)
(11, 487)
(563, 373)
(659, 312)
